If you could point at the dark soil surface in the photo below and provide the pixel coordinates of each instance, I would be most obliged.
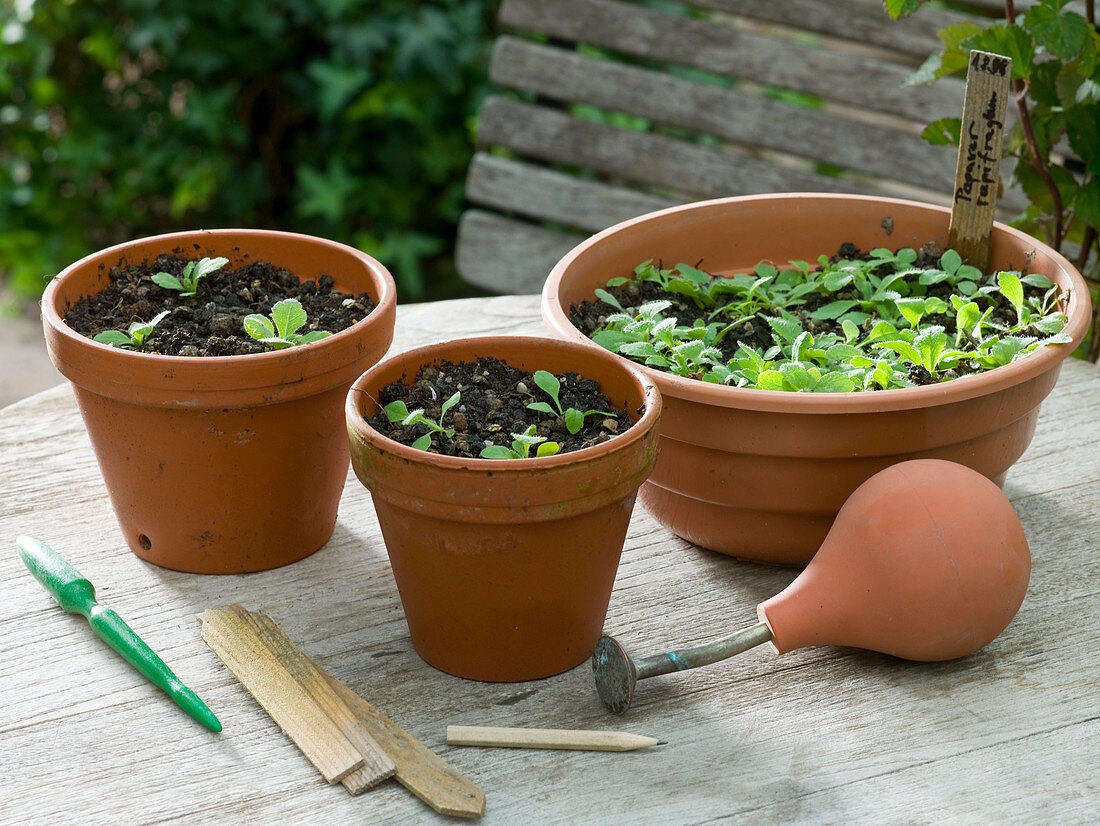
(493, 405)
(210, 323)
(590, 316)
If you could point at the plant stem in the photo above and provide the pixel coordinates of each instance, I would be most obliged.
(1020, 88)
(1086, 248)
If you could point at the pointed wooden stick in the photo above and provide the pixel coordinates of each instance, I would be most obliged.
(977, 170)
(419, 769)
(377, 765)
(547, 738)
(243, 653)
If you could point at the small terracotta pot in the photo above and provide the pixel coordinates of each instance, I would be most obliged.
(761, 474)
(505, 567)
(225, 464)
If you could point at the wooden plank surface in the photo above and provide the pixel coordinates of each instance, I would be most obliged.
(508, 256)
(1008, 735)
(639, 31)
(858, 21)
(535, 191)
(826, 136)
(680, 168)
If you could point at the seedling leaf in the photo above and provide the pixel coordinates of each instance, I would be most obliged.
(1011, 288)
(396, 411)
(115, 337)
(447, 405)
(169, 282)
(951, 261)
(574, 420)
(259, 327)
(288, 316)
(608, 298)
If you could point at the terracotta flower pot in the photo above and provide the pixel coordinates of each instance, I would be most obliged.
(761, 474)
(505, 567)
(225, 464)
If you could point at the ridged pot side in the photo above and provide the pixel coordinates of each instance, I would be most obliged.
(227, 464)
(505, 567)
(760, 474)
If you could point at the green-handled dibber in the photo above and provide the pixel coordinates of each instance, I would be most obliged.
(76, 595)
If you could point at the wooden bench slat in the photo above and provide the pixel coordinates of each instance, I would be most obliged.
(559, 74)
(683, 170)
(541, 193)
(855, 80)
(505, 255)
(860, 21)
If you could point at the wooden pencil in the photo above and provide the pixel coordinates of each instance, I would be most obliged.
(547, 738)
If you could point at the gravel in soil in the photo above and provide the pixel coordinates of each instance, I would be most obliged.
(493, 406)
(210, 323)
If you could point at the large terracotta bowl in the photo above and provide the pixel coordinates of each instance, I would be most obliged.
(761, 474)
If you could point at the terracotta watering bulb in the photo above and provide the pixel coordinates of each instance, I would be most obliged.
(926, 561)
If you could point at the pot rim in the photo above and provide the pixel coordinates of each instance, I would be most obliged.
(52, 295)
(778, 401)
(498, 346)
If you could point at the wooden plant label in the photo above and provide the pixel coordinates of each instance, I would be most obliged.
(977, 171)
(234, 641)
(377, 765)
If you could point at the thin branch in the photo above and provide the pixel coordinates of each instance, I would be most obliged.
(1020, 88)
(1086, 248)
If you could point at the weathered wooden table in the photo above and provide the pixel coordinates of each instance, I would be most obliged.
(1010, 734)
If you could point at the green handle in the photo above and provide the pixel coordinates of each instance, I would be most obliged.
(76, 595)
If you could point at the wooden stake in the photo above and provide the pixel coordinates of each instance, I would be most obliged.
(377, 765)
(547, 738)
(419, 769)
(977, 171)
(242, 651)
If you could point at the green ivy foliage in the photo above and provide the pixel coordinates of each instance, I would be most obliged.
(350, 119)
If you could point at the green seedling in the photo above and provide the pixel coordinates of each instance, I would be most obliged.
(398, 411)
(188, 282)
(281, 330)
(521, 447)
(134, 336)
(874, 324)
(573, 418)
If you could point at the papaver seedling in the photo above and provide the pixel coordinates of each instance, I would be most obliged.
(281, 329)
(872, 322)
(188, 282)
(398, 411)
(573, 418)
(521, 446)
(134, 336)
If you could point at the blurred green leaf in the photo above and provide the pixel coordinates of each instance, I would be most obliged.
(1010, 41)
(943, 132)
(325, 193)
(1062, 34)
(124, 118)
